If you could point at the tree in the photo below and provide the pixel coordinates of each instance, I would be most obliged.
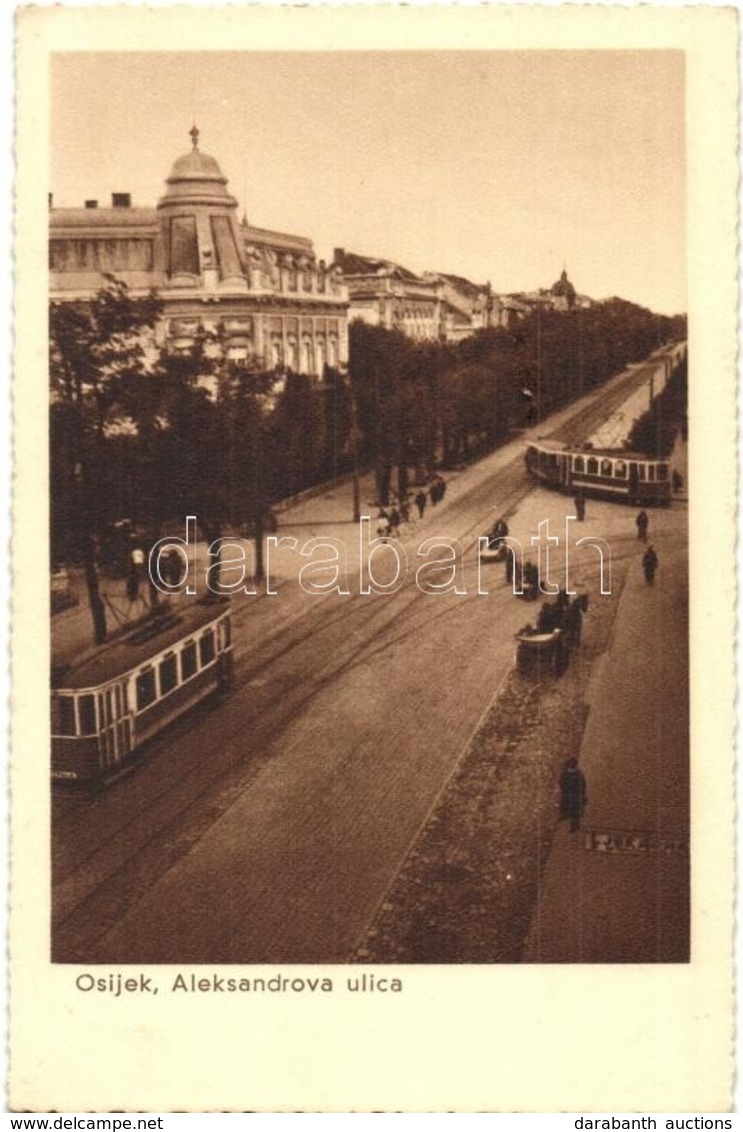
(92, 344)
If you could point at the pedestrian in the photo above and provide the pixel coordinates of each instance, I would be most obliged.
(546, 618)
(649, 564)
(577, 608)
(132, 583)
(173, 567)
(442, 488)
(394, 526)
(642, 522)
(580, 506)
(433, 492)
(420, 501)
(573, 794)
(405, 509)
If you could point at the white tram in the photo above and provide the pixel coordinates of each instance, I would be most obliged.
(107, 703)
(612, 474)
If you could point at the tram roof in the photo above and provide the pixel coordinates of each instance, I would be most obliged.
(588, 450)
(139, 644)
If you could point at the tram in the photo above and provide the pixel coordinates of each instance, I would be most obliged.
(107, 703)
(611, 474)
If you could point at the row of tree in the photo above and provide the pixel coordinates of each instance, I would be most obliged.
(654, 433)
(143, 433)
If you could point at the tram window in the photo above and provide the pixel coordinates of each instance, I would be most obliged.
(578, 464)
(620, 470)
(207, 652)
(63, 715)
(606, 467)
(592, 465)
(146, 691)
(226, 633)
(641, 472)
(651, 472)
(662, 471)
(168, 674)
(86, 710)
(188, 660)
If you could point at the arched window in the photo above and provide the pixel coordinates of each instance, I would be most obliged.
(620, 469)
(606, 467)
(579, 464)
(592, 466)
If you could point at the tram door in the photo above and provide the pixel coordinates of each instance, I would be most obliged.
(115, 733)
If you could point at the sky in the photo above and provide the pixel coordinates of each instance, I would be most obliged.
(500, 166)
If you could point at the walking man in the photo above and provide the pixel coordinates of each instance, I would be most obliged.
(649, 564)
(642, 522)
(420, 501)
(573, 794)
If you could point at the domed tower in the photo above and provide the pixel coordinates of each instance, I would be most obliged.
(199, 225)
(564, 291)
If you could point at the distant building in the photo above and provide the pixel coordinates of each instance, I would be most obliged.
(274, 302)
(434, 306)
(561, 296)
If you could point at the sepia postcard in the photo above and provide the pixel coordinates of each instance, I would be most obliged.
(374, 544)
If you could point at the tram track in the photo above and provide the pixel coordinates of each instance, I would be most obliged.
(93, 893)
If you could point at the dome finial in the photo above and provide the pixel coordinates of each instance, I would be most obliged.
(194, 136)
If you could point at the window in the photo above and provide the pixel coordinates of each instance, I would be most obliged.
(168, 674)
(641, 473)
(146, 690)
(86, 712)
(651, 472)
(226, 633)
(207, 651)
(578, 464)
(620, 470)
(592, 466)
(188, 660)
(63, 715)
(606, 467)
(228, 259)
(184, 249)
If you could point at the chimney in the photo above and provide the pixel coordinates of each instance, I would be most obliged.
(91, 204)
(121, 200)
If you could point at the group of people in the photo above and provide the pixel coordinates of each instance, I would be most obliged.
(561, 614)
(391, 517)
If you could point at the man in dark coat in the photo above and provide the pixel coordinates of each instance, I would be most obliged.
(641, 522)
(649, 564)
(573, 793)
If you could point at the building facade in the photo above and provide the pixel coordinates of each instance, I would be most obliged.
(273, 302)
(431, 307)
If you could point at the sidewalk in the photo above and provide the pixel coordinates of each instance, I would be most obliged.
(617, 891)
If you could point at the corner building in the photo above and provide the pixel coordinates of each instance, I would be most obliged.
(277, 306)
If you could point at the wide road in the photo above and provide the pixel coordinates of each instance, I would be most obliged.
(267, 827)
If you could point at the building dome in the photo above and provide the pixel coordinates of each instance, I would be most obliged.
(196, 177)
(196, 166)
(563, 286)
